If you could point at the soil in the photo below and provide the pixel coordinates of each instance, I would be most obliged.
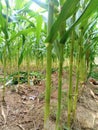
(24, 108)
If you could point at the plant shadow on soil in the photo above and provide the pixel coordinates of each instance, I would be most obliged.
(24, 109)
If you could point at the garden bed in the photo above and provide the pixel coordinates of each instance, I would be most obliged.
(24, 108)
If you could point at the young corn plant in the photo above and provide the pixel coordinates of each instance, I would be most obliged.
(25, 47)
(4, 29)
(60, 54)
(63, 16)
(48, 68)
(52, 36)
(70, 102)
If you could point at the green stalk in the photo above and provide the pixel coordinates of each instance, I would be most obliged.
(48, 70)
(37, 57)
(3, 93)
(10, 66)
(42, 61)
(70, 82)
(48, 87)
(79, 61)
(59, 86)
(77, 84)
(83, 73)
(28, 68)
(83, 69)
(5, 56)
(18, 69)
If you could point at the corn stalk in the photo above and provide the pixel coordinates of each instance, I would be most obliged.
(70, 84)
(48, 69)
(59, 86)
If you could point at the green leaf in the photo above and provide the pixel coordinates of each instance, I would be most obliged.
(38, 27)
(91, 8)
(3, 23)
(68, 9)
(57, 49)
(24, 32)
(22, 6)
(1, 59)
(22, 51)
(21, 57)
(19, 4)
(62, 2)
(87, 47)
(24, 18)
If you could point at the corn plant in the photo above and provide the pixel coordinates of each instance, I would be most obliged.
(48, 69)
(71, 31)
(56, 27)
(4, 29)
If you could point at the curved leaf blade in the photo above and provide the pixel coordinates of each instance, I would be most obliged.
(67, 10)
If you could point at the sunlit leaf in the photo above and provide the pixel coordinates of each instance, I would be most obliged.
(26, 19)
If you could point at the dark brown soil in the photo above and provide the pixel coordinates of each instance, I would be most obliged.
(24, 108)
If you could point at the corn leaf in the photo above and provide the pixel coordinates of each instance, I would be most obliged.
(38, 27)
(68, 9)
(62, 2)
(24, 32)
(23, 7)
(91, 8)
(24, 18)
(22, 51)
(21, 57)
(19, 4)
(3, 23)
